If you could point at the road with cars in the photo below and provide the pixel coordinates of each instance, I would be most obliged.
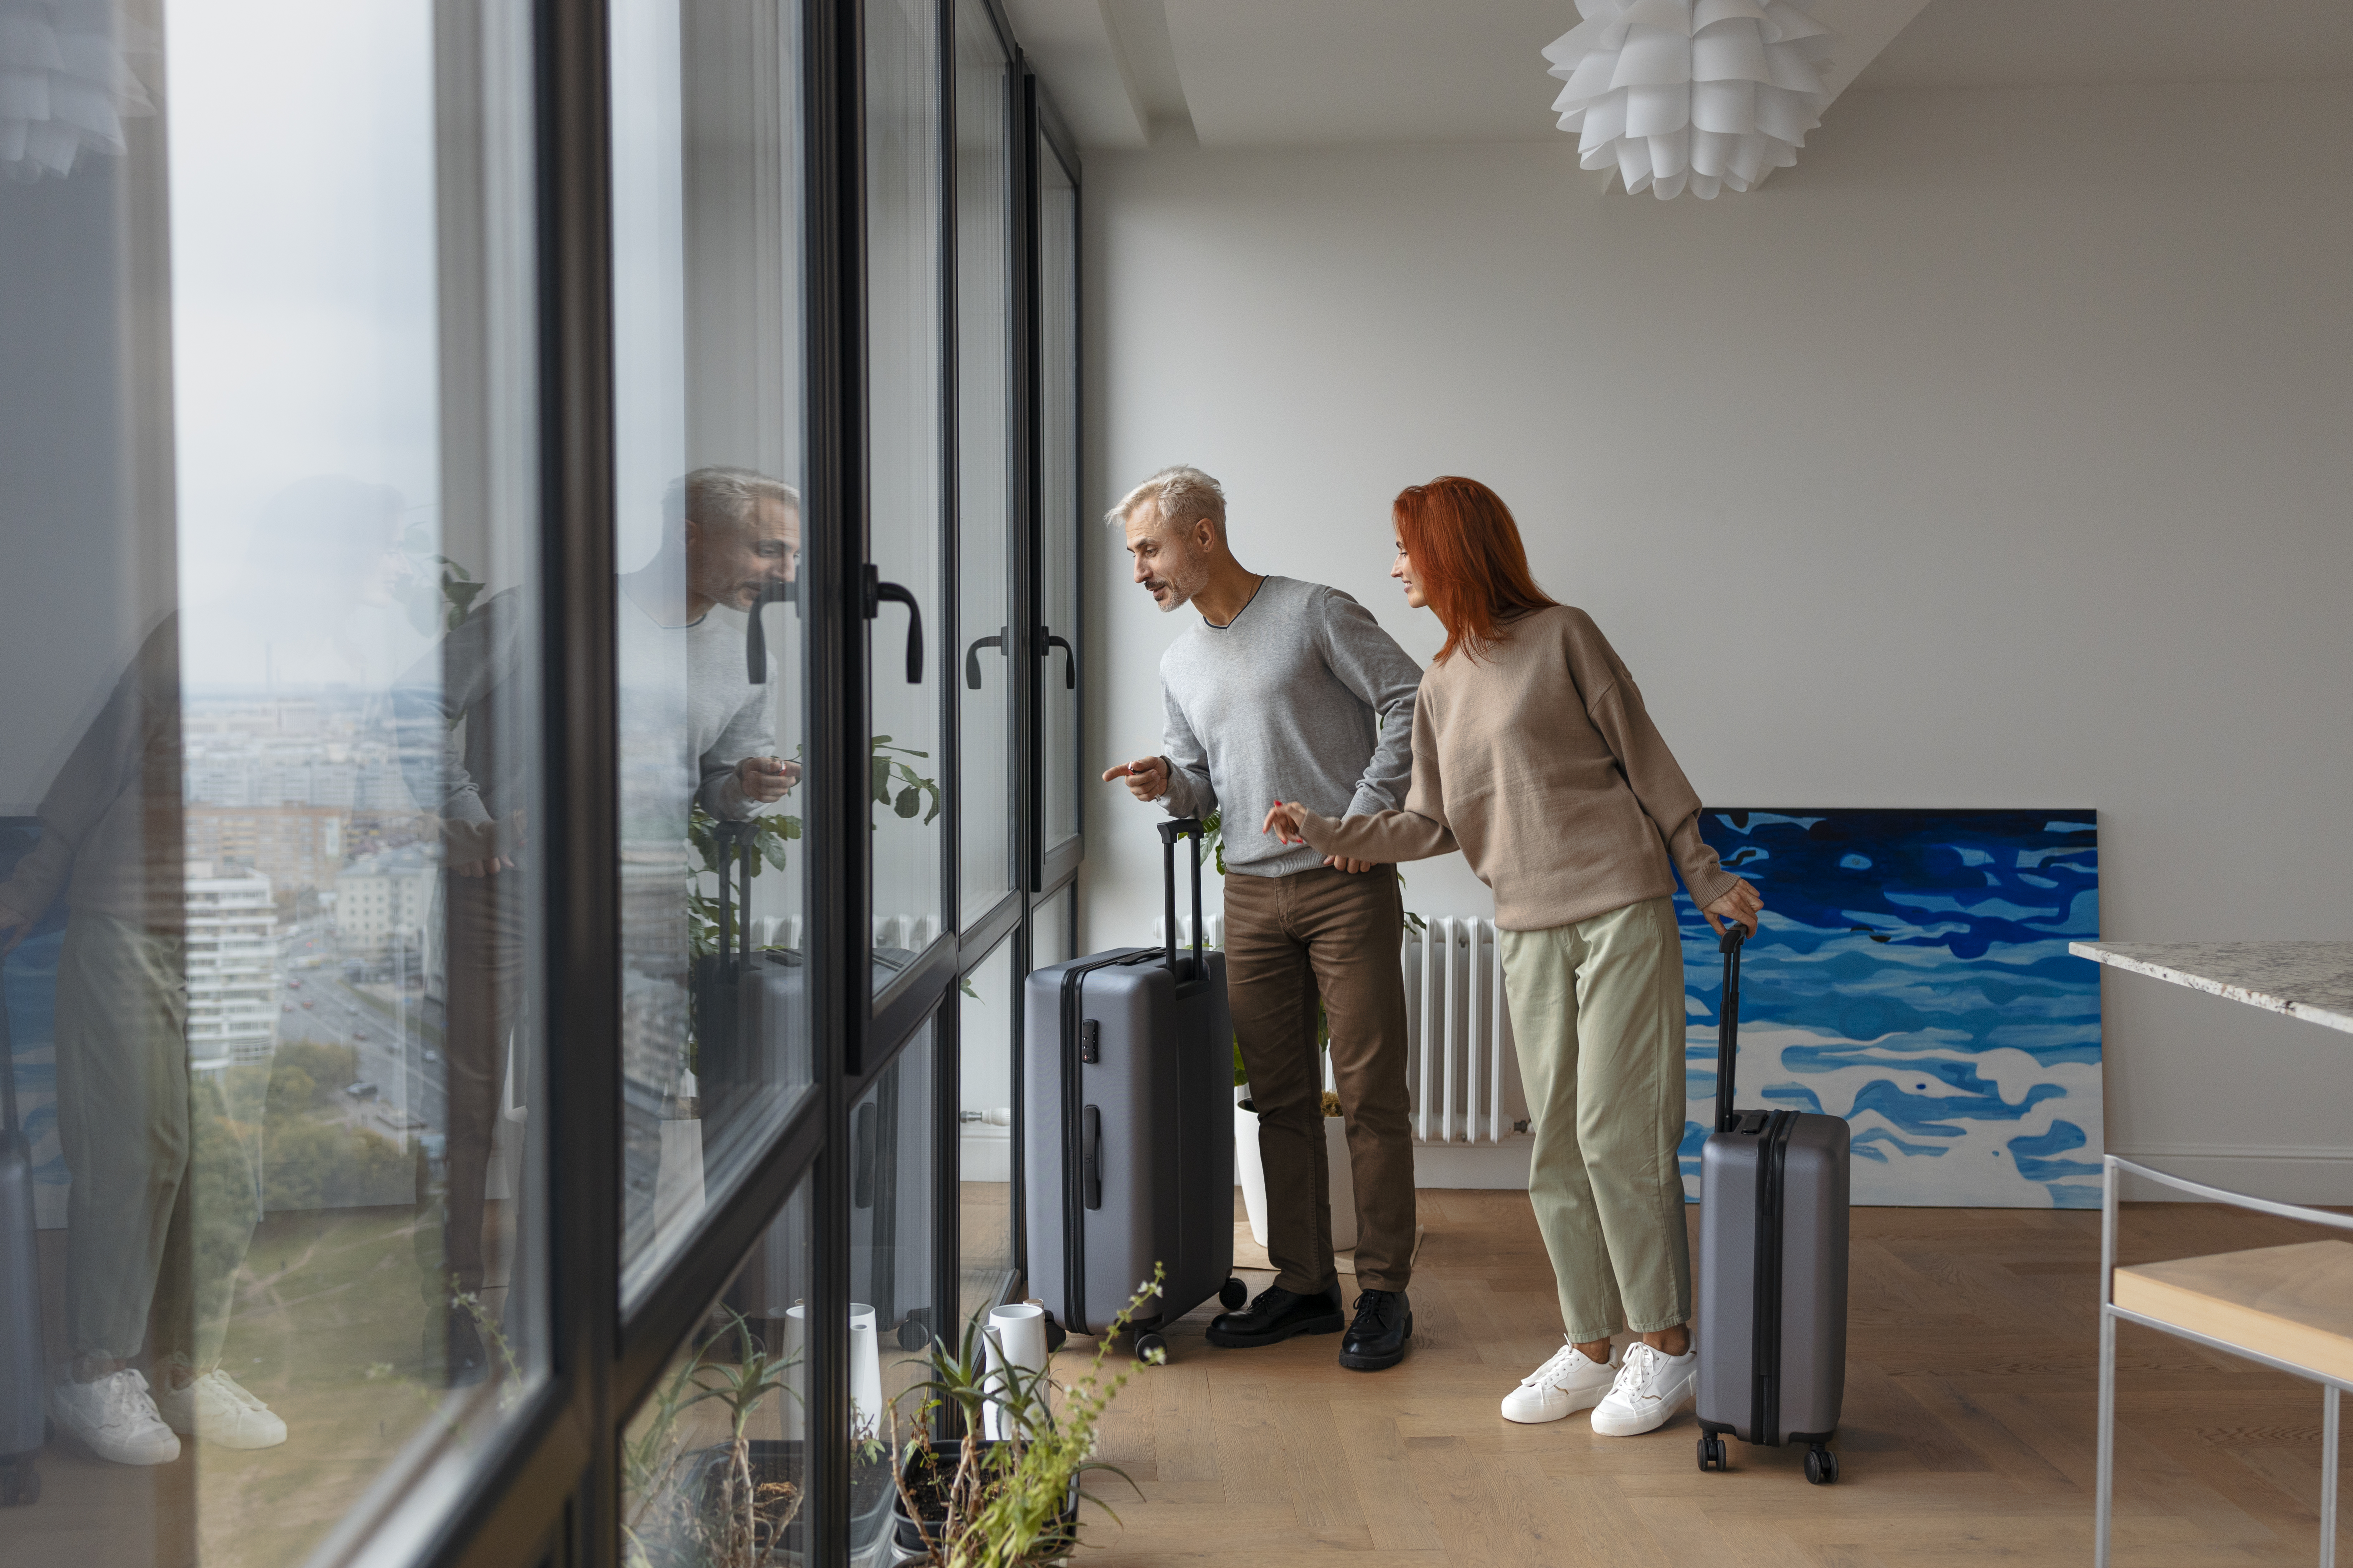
(317, 1005)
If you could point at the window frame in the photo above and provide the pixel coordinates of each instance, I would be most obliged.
(545, 1488)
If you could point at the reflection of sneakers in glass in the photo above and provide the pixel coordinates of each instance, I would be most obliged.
(114, 1419)
(216, 1409)
(1570, 1382)
(1650, 1387)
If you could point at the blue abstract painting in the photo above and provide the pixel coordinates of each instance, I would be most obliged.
(1911, 975)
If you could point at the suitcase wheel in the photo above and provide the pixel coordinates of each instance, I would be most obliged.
(1232, 1294)
(1711, 1454)
(19, 1484)
(1821, 1466)
(1151, 1347)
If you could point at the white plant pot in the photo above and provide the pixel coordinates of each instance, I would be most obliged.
(1251, 1174)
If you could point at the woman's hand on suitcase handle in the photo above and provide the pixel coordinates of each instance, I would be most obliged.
(1739, 902)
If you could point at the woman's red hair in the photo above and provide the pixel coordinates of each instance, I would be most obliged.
(1467, 559)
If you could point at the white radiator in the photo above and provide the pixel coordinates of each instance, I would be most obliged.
(1461, 1072)
(912, 933)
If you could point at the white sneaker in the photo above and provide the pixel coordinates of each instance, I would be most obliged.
(1650, 1387)
(216, 1409)
(114, 1419)
(1570, 1382)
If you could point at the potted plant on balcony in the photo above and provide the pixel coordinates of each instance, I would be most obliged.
(688, 1502)
(1012, 1501)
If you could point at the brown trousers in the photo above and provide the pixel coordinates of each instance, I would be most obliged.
(485, 980)
(1288, 939)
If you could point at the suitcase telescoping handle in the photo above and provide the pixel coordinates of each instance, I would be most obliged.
(1727, 1028)
(736, 842)
(1182, 828)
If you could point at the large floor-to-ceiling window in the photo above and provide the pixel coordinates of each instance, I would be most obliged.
(542, 576)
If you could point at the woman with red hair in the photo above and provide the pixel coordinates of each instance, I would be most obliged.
(1533, 754)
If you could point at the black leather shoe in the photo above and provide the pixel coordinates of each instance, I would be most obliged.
(464, 1361)
(1376, 1338)
(1276, 1316)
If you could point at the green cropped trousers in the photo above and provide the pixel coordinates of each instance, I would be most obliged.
(1597, 1016)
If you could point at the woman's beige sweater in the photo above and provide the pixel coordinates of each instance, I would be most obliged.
(1539, 762)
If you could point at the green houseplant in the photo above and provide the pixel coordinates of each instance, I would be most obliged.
(1009, 1502)
(731, 1504)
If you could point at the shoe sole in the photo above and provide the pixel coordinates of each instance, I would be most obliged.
(238, 1445)
(59, 1425)
(134, 1461)
(1668, 1413)
(1232, 1341)
(1582, 1403)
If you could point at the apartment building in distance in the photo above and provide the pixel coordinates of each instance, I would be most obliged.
(299, 847)
(232, 966)
(381, 895)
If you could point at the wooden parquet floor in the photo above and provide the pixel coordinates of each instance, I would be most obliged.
(1968, 1436)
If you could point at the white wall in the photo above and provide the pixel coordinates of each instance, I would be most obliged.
(1998, 454)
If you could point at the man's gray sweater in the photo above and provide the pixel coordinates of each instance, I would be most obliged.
(1299, 696)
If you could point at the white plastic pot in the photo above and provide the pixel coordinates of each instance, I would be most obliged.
(1251, 1173)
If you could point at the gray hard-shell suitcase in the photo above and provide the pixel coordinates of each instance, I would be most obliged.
(1772, 1266)
(24, 1389)
(1128, 1126)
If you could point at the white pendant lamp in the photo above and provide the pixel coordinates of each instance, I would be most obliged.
(64, 85)
(1707, 95)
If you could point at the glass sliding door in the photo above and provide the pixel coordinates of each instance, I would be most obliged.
(707, 530)
(905, 358)
(520, 833)
(987, 1018)
(984, 559)
(272, 942)
(710, 1479)
(1060, 526)
(894, 1223)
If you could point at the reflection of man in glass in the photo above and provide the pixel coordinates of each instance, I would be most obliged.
(469, 727)
(165, 1194)
(694, 732)
(693, 727)
(732, 534)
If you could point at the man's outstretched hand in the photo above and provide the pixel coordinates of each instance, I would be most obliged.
(1147, 777)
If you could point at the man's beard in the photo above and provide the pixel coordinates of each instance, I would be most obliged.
(1182, 584)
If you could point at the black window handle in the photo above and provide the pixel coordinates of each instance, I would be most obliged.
(1047, 641)
(756, 640)
(1091, 1156)
(878, 591)
(861, 1158)
(972, 657)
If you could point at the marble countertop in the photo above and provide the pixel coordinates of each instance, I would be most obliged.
(2308, 980)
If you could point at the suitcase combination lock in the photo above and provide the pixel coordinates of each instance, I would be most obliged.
(1090, 1041)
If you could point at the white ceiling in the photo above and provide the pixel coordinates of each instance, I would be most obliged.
(2090, 43)
(1278, 73)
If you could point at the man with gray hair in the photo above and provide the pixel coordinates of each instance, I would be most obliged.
(694, 731)
(1291, 690)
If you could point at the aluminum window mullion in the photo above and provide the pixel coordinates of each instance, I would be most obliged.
(835, 549)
